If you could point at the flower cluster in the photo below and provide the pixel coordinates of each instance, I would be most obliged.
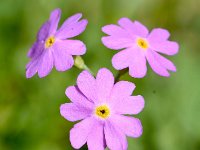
(54, 47)
(102, 104)
(138, 46)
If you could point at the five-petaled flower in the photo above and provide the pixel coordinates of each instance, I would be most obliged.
(138, 46)
(53, 47)
(101, 105)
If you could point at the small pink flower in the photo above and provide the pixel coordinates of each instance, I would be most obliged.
(138, 46)
(101, 105)
(53, 47)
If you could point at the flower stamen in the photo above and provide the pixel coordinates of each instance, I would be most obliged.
(142, 43)
(102, 111)
(49, 42)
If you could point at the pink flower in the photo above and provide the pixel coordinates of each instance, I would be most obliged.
(54, 47)
(101, 106)
(138, 46)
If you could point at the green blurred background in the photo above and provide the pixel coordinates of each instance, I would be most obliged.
(29, 108)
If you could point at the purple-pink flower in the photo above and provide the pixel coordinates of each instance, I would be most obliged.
(101, 105)
(138, 46)
(53, 47)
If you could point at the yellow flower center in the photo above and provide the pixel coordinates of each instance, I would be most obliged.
(102, 111)
(49, 42)
(142, 43)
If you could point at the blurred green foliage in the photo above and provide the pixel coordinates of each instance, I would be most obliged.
(29, 108)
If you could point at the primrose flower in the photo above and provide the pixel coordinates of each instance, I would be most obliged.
(53, 47)
(101, 105)
(138, 46)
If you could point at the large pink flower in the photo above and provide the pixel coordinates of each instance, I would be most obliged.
(54, 47)
(138, 46)
(102, 105)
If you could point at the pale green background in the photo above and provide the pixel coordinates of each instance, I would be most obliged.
(29, 109)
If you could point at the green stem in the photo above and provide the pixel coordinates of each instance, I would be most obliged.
(80, 64)
(120, 74)
(85, 67)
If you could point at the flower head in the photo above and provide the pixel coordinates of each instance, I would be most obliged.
(53, 47)
(101, 105)
(138, 46)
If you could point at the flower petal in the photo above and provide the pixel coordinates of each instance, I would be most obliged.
(165, 62)
(166, 47)
(63, 60)
(80, 132)
(117, 43)
(129, 125)
(129, 105)
(32, 50)
(71, 30)
(122, 102)
(69, 22)
(43, 32)
(104, 83)
(87, 85)
(115, 139)
(115, 30)
(46, 64)
(155, 64)
(122, 88)
(158, 35)
(54, 20)
(74, 112)
(32, 68)
(75, 95)
(36, 49)
(96, 138)
(122, 59)
(72, 47)
(138, 68)
(133, 27)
